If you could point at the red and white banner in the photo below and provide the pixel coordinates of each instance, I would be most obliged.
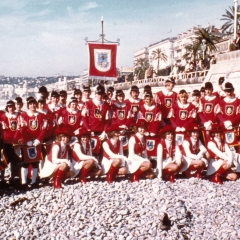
(102, 59)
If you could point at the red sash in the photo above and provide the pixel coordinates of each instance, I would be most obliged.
(114, 149)
(221, 148)
(139, 146)
(168, 152)
(61, 155)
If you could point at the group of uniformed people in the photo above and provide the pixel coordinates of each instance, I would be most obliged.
(156, 136)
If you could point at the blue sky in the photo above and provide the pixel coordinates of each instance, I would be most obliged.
(46, 38)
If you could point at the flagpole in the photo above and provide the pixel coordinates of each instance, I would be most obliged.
(102, 29)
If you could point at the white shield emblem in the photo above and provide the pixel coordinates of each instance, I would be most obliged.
(183, 114)
(179, 138)
(32, 152)
(229, 110)
(71, 119)
(168, 102)
(93, 143)
(102, 59)
(121, 114)
(208, 107)
(150, 145)
(148, 116)
(33, 124)
(229, 136)
(13, 125)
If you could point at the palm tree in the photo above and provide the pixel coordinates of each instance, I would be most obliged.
(228, 26)
(159, 55)
(141, 64)
(210, 38)
(191, 51)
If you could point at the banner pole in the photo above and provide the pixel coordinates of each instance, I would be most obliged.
(102, 28)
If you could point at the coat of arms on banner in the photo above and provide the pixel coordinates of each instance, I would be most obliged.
(149, 117)
(179, 138)
(150, 144)
(71, 119)
(229, 136)
(13, 125)
(32, 152)
(102, 59)
(33, 124)
(121, 114)
(229, 110)
(168, 102)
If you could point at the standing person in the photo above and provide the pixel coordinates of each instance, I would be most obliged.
(193, 152)
(70, 117)
(19, 104)
(96, 114)
(133, 103)
(169, 157)
(202, 92)
(32, 131)
(151, 113)
(113, 162)
(110, 92)
(166, 98)
(10, 124)
(196, 94)
(220, 92)
(229, 116)
(86, 94)
(57, 162)
(62, 98)
(120, 111)
(82, 158)
(209, 107)
(221, 158)
(78, 95)
(182, 112)
(138, 162)
(44, 93)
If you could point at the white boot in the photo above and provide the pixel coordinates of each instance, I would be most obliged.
(24, 173)
(34, 175)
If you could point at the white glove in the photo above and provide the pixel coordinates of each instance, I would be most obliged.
(36, 142)
(29, 143)
(183, 129)
(102, 136)
(208, 125)
(228, 125)
(178, 129)
(205, 161)
(123, 126)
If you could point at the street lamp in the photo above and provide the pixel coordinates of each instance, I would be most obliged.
(203, 47)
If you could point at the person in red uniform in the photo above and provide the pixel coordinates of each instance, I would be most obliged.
(55, 108)
(70, 117)
(120, 112)
(151, 113)
(209, 107)
(138, 163)
(19, 104)
(86, 94)
(220, 93)
(78, 95)
(230, 108)
(113, 161)
(82, 159)
(182, 113)
(57, 163)
(221, 158)
(133, 103)
(96, 114)
(194, 152)
(62, 98)
(33, 126)
(10, 124)
(110, 92)
(169, 157)
(166, 98)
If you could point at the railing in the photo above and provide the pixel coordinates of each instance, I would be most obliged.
(180, 79)
(228, 56)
